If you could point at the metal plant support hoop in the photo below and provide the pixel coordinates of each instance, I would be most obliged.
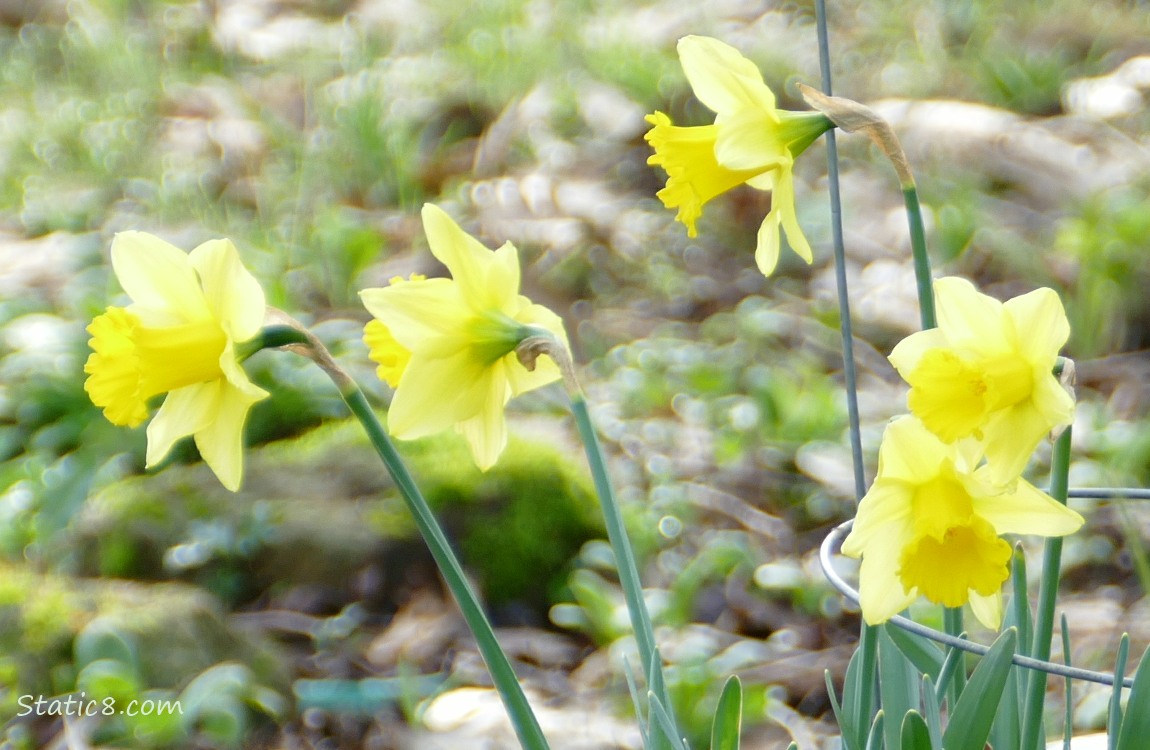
(833, 541)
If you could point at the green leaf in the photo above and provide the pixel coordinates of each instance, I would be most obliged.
(923, 654)
(970, 720)
(915, 734)
(950, 665)
(1114, 722)
(898, 684)
(1136, 722)
(663, 719)
(858, 691)
(1019, 612)
(728, 721)
(874, 738)
(631, 686)
(1068, 693)
(930, 707)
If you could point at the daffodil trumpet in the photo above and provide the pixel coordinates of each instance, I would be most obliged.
(987, 372)
(190, 312)
(751, 142)
(931, 523)
(448, 346)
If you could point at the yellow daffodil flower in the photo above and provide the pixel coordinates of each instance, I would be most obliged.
(930, 526)
(987, 372)
(178, 337)
(448, 345)
(750, 142)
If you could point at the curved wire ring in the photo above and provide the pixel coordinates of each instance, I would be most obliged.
(834, 539)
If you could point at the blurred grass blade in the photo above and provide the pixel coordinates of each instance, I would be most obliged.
(1114, 721)
(971, 718)
(923, 654)
(915, 734)
(898, 684)
(1136, 722)
(836, 709)
(728, 722)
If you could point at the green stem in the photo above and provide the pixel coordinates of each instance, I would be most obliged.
(952, 624)
(621, 546)
(526, 725)
(1047, 594)
(921, 259)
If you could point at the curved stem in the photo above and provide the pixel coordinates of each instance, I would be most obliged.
(291, 334)
(624, 556)
(921, 259)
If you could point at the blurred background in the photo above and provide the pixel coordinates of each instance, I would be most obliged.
(303, 612)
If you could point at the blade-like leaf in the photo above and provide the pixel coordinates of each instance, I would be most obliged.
(874, 737)
(971, 718)
(663, 719)
(898, 685)
(930, 708)
(950, 665)
(923, 654)
(1068, 717)
(1114, 721)
(643, 722)
(1136, 722)
(728, 720)
(1020, 601)
(915, 735)
(858, 691)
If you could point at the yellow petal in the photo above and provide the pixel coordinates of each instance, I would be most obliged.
(907, 353)
(232, 293)
(1040, 324)
(185, 411)
(1010, 437)
(1025, 510)
(159, 279)
(911, 453)
(486, 432)
(439, 392)
(969, 318)
(881, 592)
(747, 141)
(418, 311)
(767, 244)
(721, 77)
(884, 511)
(221, 442)
(783, 201)
(987, 609)
(484, 280)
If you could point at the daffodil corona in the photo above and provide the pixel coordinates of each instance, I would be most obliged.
(930, 526)
(448, 346)
(987, 372)
(178, 337)
(751, 142)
